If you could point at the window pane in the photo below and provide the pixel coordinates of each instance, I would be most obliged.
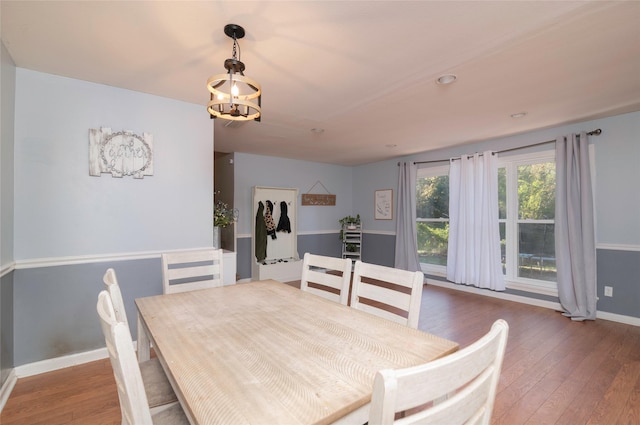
(433, 239)
(536, 251)
(503, 246)
(537, 191)
(502, 193)
(432, 197)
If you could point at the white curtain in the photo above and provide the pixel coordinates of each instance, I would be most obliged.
(473, 256)
(574, 229)
(406, 233)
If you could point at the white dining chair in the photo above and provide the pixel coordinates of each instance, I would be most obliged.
(156, 385)
(131, 393)
(328, 277)
(191, 270)
(457, 389)
(387, 292)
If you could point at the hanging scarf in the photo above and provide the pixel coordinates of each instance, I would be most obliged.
(268, 220)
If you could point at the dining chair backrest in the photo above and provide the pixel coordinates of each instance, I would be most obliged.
(328, 277)
(156, 385)
(111, 285)
(387, 292)
(457, 389)
(191, 270)
(133, 400)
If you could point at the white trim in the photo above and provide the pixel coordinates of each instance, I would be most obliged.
(380, 232)
(328, 232)
(318, 232)
(8, 268)
(81, 259)
(495, 294)
(550, 289)
(618, 247)
(50, 365)
(6, 389)
(533, 287)
(91, 259)
(628, 320)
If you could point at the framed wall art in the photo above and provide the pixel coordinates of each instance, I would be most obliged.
(121, 153)
(383, 204)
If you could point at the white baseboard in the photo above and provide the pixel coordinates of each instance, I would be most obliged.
(628, 320)
(6, 389)
(495, 294)
(50, 365)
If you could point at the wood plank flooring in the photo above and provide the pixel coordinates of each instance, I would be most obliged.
(555, 371)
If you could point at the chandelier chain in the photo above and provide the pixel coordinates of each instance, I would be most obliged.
(235, 53)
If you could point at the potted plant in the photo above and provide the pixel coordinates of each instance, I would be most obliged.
(351, 247)
(348, 222)
(223, 215)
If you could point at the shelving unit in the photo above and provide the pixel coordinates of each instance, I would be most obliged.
(352, 242)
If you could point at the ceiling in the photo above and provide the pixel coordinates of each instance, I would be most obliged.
(363, 71)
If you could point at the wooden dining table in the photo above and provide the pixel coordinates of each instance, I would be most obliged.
(268, 353)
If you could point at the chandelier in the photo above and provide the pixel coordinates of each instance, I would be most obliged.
(234, 96)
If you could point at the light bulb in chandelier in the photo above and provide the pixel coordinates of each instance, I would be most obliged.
(233, 95)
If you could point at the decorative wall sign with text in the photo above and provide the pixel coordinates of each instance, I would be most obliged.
(122, 153)
(318, 199)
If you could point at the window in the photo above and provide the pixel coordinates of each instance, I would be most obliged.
(432, 212)
(526, 197)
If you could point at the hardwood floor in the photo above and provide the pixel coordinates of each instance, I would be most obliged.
(555, 371)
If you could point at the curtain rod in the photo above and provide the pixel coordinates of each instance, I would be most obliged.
(595, 132)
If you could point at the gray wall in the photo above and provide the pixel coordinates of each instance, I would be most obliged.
(621, 270)
(55, 312)
(6, 326)
(7, 118)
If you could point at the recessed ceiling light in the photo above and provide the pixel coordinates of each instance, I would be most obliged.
(518, 115)
(446, 79)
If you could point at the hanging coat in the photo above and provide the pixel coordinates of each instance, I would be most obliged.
(268, 220)
(284, 225)
(261, 234)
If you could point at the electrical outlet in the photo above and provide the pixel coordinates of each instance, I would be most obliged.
(608, 291)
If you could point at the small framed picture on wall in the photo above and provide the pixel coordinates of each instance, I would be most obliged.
(383, 204)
